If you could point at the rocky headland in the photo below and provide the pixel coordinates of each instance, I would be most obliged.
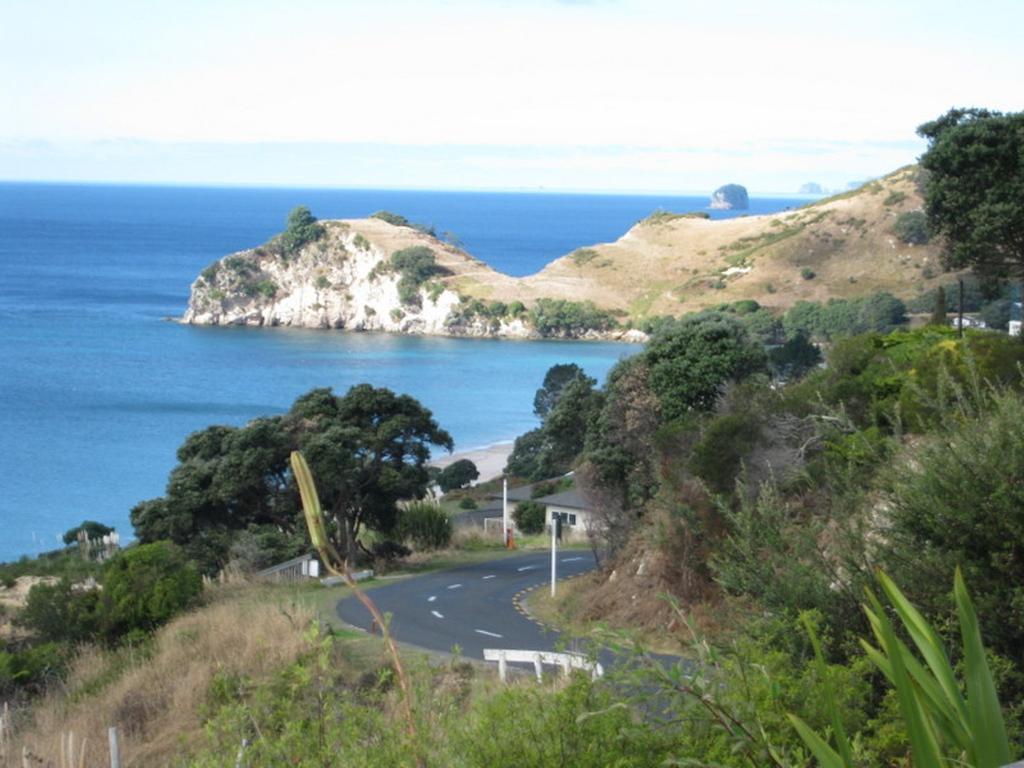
(384, 274)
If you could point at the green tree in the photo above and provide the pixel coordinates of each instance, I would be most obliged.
(144, 586)
(302, 228)
(555, 380)
(522, 462)
(973, 188)
(458, 474)
(530, 517)
(691, 360)
(92, 529)
(794, 358)
(368, 449)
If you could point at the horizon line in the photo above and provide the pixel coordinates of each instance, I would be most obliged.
(540, 190)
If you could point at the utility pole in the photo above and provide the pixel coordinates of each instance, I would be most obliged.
(555, 520)
(504, 511)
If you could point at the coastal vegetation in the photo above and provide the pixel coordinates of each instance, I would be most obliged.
(866, 241)
(415, 266)
(230, 494)
(816, 506)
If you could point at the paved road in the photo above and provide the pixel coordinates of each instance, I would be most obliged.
(473, 606)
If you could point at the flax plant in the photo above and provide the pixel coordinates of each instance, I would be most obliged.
(940, 720)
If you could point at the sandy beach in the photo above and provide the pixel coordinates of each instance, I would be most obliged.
(490, 460)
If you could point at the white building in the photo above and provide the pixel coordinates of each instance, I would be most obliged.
(575, 513)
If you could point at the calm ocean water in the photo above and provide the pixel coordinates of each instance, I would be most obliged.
(97, 391)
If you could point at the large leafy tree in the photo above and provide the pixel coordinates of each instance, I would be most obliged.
(555, 381)
(553, 448)
(974, 188)
(368, 449)
(691, 360)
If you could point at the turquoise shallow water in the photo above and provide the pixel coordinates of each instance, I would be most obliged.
(97, 390)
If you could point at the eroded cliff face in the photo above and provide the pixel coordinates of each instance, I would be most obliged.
(345, 280)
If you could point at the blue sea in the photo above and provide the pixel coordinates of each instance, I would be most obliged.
(97, 389)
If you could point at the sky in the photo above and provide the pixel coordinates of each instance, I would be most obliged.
(598, 95)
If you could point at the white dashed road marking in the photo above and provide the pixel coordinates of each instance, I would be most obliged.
(454, 586)
(571, 559)
(432, 598)
(485, 632)
(489, 577)
(526, 568)
(438, 615)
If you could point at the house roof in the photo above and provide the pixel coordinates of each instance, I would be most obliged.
(570, 499)
(519, 493)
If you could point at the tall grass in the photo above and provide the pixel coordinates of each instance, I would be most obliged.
(155, 694)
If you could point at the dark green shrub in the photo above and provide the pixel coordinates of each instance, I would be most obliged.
(468, 502)
(560, 317)
(957, 500)
(794, 358)
(31, 668)
(424, 524)
(530, 517)
(416, 265)
(61, 613)
(583, 256)
(391, 218)
(807, 273)
(912, 228)
(388, 551)
(725, 441)
(144, 586)
(997, 314)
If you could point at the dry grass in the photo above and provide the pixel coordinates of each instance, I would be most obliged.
(673, 265)
(155, 699)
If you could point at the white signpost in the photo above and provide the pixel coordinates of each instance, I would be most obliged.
(554, 550)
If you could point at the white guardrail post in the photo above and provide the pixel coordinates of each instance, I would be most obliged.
(567, 661)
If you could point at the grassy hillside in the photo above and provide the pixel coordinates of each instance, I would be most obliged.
(672, 264)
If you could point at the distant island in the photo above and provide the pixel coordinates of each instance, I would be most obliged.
(811, 188)
(385, 273)
(730, 197)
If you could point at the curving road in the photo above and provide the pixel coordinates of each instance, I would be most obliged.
(472, 606)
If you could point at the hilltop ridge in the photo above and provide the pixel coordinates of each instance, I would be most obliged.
(844, 246)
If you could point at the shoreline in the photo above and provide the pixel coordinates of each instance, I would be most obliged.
(490, 459)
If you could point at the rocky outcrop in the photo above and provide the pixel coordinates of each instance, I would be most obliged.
(730, 197)
(346, 280)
